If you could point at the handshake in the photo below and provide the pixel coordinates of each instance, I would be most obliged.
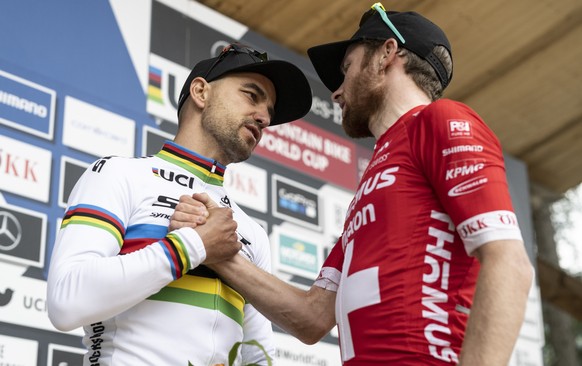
(214, 224)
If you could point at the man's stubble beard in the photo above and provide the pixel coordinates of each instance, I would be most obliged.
(366, 99)
(224, 129)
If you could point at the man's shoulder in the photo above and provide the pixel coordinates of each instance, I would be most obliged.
(443, 107)
(118, 165)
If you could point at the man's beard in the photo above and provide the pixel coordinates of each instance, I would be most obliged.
(225, 131)
(366, 99)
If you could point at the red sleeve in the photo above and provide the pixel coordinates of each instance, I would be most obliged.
(463, 161)
(330, 274)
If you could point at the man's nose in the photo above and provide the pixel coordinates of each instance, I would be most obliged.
(263, 117)
(336, 95)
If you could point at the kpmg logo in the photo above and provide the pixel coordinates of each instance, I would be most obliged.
(295, 202)
(27, 106)
(20, 245)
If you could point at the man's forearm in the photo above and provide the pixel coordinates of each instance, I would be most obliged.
(498, 305)
(307, 315)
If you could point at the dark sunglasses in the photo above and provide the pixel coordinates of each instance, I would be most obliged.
(379, 8)
(256, 55)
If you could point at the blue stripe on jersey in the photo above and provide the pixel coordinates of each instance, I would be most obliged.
(146, 231)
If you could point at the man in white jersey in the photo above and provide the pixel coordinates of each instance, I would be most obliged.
(142, 292)
(430, 268)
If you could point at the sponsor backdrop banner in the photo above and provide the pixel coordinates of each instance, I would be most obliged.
(102, 78)
(27, 106)
(313, 150)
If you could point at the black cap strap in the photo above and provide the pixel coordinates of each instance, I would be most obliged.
(438, 66)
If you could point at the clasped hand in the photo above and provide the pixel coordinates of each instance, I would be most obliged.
(214, 224)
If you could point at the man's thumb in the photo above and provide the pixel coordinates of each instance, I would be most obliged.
(205, 199)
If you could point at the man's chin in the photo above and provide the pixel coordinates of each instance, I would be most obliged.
(356, 131)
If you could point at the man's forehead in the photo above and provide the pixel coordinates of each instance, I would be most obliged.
(261, 79)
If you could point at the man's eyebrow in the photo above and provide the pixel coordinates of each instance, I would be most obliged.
(261, 93)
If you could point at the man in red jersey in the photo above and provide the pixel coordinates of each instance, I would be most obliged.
(430, 268)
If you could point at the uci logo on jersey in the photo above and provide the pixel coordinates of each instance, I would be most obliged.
(170, 176)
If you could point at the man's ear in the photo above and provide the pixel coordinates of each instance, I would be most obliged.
(199, 92)
(388, 52)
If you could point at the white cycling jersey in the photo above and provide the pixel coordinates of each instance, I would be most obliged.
(138, 290)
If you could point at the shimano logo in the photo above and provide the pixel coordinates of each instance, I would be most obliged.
(462, 148)
(23, 104)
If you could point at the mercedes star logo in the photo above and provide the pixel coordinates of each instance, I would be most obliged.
(10, 231)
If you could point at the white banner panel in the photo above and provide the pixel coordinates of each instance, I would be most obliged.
(24, 169)
(97, 131)
(296, 250)
(247, 185)
(17, 351)
(24, 302)
(291, 352)
(208, 17)
(334, 204)
(528, 348)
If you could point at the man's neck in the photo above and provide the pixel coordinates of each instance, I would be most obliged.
(396, 104)
(197, 140)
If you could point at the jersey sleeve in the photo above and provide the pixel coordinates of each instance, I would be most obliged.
(88, 281)
(330, 273)
(463, 161)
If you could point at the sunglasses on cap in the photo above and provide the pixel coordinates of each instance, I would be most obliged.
(379, 8)
(258, 56)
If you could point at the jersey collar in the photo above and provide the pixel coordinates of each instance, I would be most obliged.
(210, 171)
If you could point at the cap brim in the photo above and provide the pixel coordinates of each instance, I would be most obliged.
(327, 60)
(291, 86)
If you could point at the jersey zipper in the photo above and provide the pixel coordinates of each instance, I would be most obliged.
(212, 171)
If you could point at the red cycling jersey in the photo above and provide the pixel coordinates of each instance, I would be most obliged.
(434, 191)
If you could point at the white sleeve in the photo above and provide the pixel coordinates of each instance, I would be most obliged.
(88, 281)
(256, 326)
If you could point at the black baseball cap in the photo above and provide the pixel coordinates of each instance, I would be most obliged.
(420, 36)
(292, 88)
